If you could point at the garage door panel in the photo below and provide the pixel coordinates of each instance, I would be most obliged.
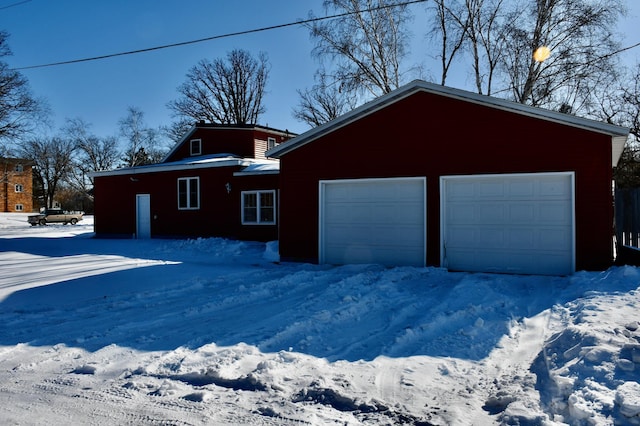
(491, 190)
(347, 213)
(502, 261)
(554, 212)
(521, 189)
(489, 212)
(373, 221)
(522, 212)
(368, 254)
(337, 213)
(557, 187)
(522, 222)
(554, 238)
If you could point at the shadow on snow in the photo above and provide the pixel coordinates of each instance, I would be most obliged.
(190, 295)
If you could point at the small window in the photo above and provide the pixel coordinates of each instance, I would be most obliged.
(259, 208)
(19, 207)
(196, 146)
(189, 193)
(271, 143)
(19, 168)
(19, 188)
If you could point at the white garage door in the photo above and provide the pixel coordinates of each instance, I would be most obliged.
(373, 221)
(521, 223)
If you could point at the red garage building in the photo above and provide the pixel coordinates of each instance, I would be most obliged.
(430, 175)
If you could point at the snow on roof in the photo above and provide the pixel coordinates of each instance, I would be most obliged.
(618, 134)
(202, 161)
(260, 167)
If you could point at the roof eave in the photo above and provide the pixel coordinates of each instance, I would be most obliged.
(423, 86)
(165, 167)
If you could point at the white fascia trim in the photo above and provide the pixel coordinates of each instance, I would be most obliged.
(257, 173)
(186, 137)
(419, 85)
(155, 168)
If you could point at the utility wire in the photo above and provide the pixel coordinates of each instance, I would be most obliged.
(14, 4)
(216, 37)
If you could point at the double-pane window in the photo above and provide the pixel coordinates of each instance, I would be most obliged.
(259, 208)
(189, 193)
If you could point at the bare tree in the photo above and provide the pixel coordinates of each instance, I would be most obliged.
(501, 37)
(92, 153)
(367, 46)
(322, 103)
(178, 129)
(488, 42)
(625, 109)
(142, 142)
(223, 91)
(631, 98)
(449, 25)
(580, 35)
(20, 112)
(52, 159)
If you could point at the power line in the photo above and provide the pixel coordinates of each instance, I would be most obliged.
(14, 4)
(216, 37)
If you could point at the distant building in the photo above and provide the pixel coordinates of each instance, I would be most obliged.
(16, 185)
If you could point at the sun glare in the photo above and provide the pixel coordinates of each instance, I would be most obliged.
(541, 54)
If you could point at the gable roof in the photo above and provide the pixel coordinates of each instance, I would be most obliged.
(618, 134)
(203, 125)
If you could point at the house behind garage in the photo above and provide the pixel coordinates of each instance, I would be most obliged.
(215, 182)
(429, 175)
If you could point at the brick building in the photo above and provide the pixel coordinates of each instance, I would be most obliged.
(16, 185)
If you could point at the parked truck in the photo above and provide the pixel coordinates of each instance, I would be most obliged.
(55, 216)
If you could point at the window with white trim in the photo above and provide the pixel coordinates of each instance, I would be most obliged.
(259, 207)
(19, 188)
(195, 146)
(189, 193)
(19, 168)
(271, 143)
(19, 207)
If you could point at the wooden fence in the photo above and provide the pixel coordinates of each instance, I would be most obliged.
(627, 225)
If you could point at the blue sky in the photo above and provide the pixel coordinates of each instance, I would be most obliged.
(46, 31)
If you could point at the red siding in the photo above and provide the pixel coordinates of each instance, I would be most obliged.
(218, 140)
(232, 140)
(218, 215)
(432, 136)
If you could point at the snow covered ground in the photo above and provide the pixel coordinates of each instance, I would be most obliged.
(212, 331)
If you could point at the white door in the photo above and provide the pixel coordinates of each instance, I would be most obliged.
(143, 216)
(373, 221)
(518, 223)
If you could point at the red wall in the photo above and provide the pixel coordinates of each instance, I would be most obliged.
(232, 140)
(429, 135)
(218, 140)
(219, 213)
